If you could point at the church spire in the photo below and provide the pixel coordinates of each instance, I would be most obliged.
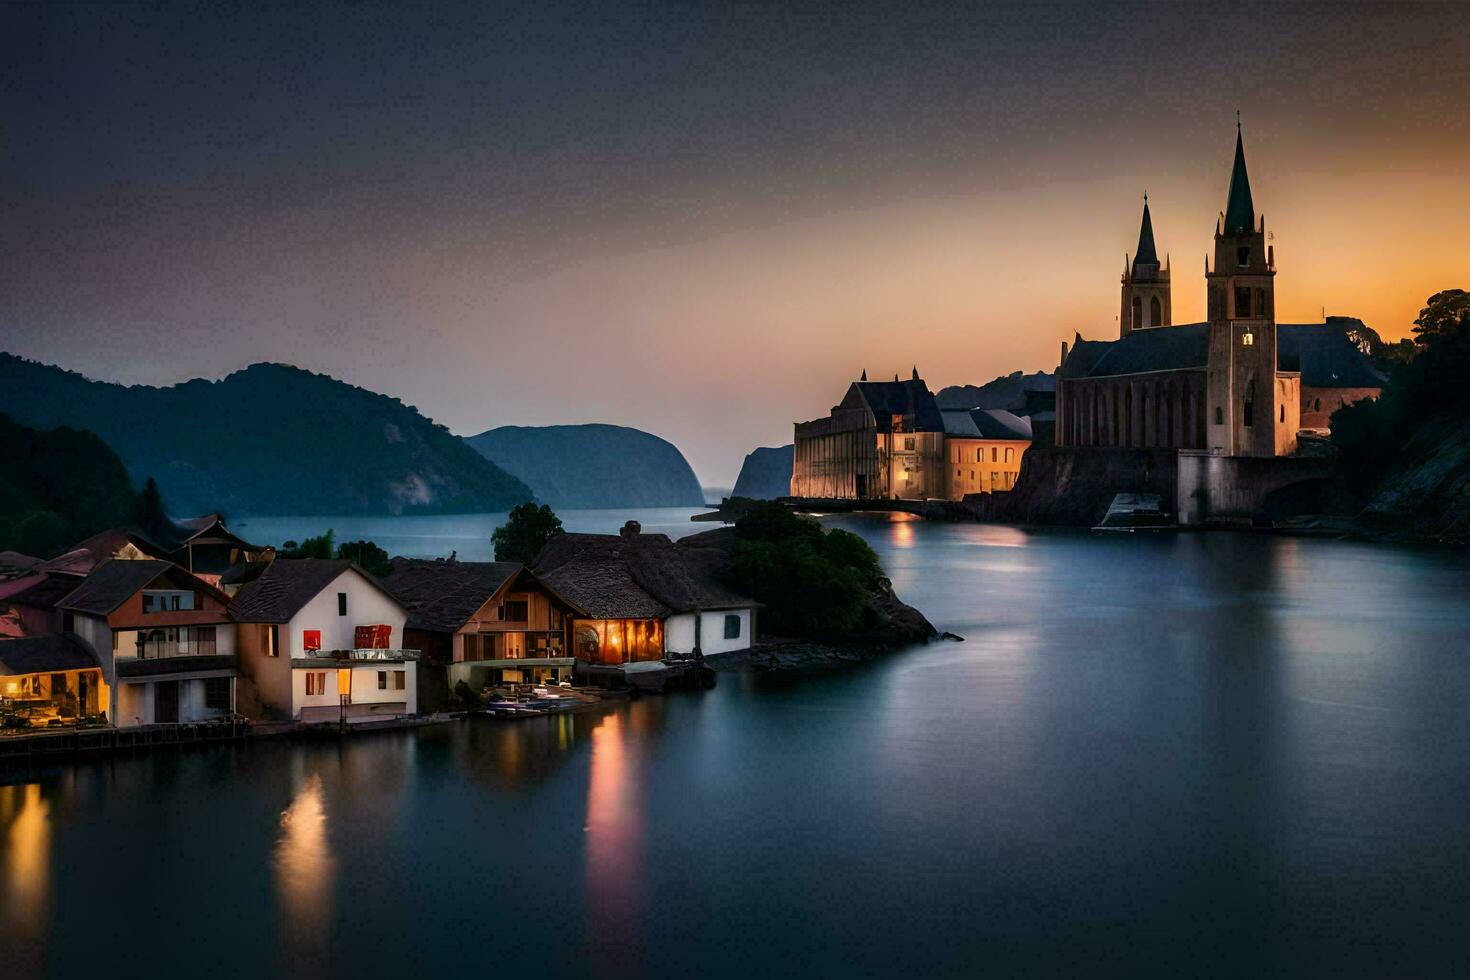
(1240, 211)
(1147, 254)
(865, 375)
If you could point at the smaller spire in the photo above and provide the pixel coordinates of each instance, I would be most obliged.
(865, 375)
(895, 377)
(916, 372)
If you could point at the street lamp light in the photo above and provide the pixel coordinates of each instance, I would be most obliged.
(344, 694)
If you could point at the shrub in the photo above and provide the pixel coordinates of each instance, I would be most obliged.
(525, 533)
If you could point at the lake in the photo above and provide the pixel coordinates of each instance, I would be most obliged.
(1185, 754)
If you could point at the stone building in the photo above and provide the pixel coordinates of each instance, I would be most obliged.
(885, 439)
(1238, 384)
(889, 440)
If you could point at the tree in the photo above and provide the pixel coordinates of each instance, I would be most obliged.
(317, 547)
(367, 556)
(812, 582)
(525, 533)
(152, 517)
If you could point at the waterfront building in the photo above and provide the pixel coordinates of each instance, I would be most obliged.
(316, 642)
(884, 440)
(638, 598)
(484, 623)
(983, 450)
(162, 638)
(1237, 384)
(50, 681)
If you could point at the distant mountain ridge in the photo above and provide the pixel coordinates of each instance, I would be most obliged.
(1007, 392)
(270, 438)
(593, 466)
(766, 473)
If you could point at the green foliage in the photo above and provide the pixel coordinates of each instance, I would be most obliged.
(366, 555)
(57, 488)
(813, 583)
(466, 695)
(150, 516)
(525, 533)
(294, 443)
(317, 547)
(1372, 434)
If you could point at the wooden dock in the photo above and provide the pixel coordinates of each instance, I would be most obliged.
(49, 745)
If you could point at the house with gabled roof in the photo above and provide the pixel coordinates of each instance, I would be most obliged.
(639, 599)
(322, 640)
(162, 638)
(484, 623)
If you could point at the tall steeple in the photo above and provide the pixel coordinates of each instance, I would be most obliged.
(1145, 285)
(1146, 254)
(1240, 211)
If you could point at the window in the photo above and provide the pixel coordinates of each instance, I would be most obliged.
(270, 641)
(341, 603)
(316, 682)
(980, 455)
(1248, 409)
(158, 600)
(515, 611)
(1243, 256)
(1260, 303)
(1283, 412)
(217, 693)
(908, 444)
(732, 627)
(382, 680)
(1247, 339)
(1219, 415)
(1137, 312)
(1242, 302)
(311, 639)
(1010, 455)
(472, 646)
(1155, 312)
(400, 680)
(995, 454)
(1317, 405)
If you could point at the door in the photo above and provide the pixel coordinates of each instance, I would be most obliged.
(862, 486)
(166, 702)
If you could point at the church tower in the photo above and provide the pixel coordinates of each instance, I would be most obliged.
(1145, 285)
(1241, 402)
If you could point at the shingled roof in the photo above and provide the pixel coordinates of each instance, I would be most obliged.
(986, 423)
(635, 576)
(40, 654)
(889, 398)
(281, 591)
(441, 595)
(112, 583)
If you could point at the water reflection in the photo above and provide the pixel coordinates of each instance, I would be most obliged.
(614, 845)
(26, 816)
(305, 868)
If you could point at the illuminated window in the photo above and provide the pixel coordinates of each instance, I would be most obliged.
(316, 682)
(1247, 339)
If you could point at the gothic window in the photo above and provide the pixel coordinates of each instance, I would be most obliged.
(1155, 312)
(1219, 415)
(1317, 405)
(1260, 303)
(1137, 312)
(1248, 409)
(1242, 302)
(1243, 256)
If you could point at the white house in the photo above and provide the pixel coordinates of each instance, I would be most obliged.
(321, 640)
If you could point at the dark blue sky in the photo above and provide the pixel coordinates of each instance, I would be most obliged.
(519, 213)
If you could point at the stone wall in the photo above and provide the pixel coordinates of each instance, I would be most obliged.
(1235, 489)
(1074, 485)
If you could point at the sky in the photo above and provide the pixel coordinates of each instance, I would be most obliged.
(700, 220)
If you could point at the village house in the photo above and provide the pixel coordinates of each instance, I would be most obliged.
(316, 641)
(162, 638)
(50, 681)
(637, 599)
(983, 448)
(483, 623)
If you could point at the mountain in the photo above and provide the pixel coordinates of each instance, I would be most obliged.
(57, 488)
(593, 466)
(1008, 392)
(268, 439)
(765, 474)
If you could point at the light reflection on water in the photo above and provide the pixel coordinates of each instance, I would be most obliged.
(1198, 754)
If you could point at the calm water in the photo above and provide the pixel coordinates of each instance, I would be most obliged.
(1176, 755)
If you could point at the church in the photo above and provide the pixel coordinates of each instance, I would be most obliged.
(1238, 384)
